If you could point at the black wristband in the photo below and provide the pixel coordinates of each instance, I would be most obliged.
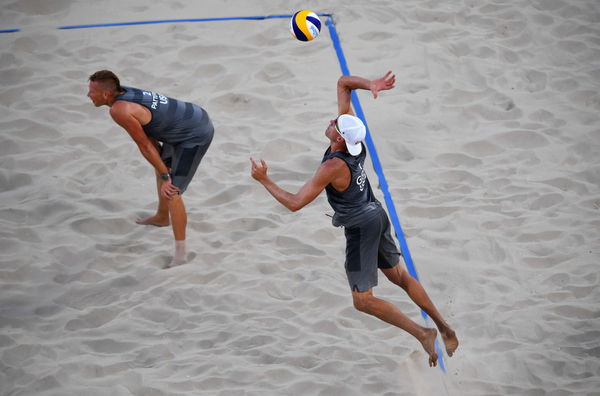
(165, 176)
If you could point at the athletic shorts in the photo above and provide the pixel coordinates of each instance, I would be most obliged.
(369, 246)
(183, 160)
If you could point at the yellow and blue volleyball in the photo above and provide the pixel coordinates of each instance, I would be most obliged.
(305, 25)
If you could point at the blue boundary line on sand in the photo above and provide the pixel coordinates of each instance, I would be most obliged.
(97, 25)
(382, 180)
(355, 102)
(252, 18)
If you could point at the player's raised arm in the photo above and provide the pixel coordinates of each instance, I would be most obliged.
(346, 84)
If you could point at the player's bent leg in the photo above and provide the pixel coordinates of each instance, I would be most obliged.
(161, 218)
(178, 217)
(399, 276)
(179, 223)
(369, 304)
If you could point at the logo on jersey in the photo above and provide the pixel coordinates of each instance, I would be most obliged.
(362, 178)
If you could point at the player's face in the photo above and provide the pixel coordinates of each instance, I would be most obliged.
(331, 131)
(96, 94)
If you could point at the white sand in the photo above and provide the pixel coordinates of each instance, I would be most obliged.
(490, 143)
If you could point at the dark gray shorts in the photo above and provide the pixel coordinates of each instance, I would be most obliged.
(369, 246)
(183, 160)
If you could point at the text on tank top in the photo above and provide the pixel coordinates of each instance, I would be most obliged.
(173, 121)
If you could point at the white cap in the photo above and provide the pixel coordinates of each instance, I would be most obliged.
(353, 131)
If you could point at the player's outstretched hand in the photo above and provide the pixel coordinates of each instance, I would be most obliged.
(258, 172)
(383, 83)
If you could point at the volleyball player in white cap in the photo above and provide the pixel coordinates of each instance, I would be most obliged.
(369, 243)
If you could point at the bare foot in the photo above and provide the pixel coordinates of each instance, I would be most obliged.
(428, 343)
(450, 341)
(180, 256)
(156, 220)
(174, 263)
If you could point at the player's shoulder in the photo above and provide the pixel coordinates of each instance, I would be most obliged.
(123, 107)
(119, 107)
(121, 110)
(334, 164)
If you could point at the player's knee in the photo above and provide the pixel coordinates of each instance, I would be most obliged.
(175, 201)
(362, 302)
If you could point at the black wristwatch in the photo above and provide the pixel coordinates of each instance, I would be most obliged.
(165, 176)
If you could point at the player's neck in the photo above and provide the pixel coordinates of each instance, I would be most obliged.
(335, 147)
(111, 100)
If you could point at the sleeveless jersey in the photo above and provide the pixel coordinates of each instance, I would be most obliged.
(173, 121)
(356, 201)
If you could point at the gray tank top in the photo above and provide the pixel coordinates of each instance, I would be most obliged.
(356, 201)
(173, 121)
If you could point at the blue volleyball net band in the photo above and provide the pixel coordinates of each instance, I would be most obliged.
(357, 107)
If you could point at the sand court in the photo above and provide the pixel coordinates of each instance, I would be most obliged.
(490, 144)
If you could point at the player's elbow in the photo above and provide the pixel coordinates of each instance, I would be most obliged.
(345, 83)
(294, 207)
